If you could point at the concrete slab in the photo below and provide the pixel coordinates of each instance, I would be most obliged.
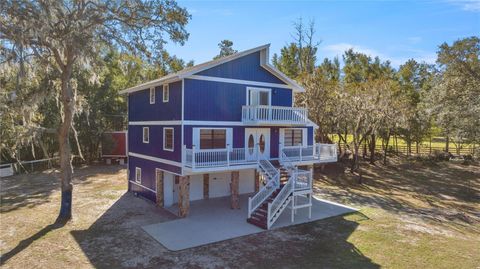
(212, 221)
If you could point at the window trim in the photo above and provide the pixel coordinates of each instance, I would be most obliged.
(196, 136)
(257, 89)
(152, 94)
(146, 141)
(304, 137)
(173, 138)
(138, 175)
(166, 88)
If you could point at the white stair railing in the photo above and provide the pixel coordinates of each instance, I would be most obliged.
(276, 207)
(273, 182)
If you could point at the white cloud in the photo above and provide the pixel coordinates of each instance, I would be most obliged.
(468, 5)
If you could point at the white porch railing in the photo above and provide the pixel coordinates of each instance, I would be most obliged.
(320, 152)
(203, 158)
(274, 114)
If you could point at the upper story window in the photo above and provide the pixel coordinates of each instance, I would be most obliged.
(138, 175)
(152, 95)
(293, 137)
(146, 135)
(168, 139)
(213, 138)
(258, 96)
(166, 93)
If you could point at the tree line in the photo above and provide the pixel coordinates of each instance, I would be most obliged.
(365, 98)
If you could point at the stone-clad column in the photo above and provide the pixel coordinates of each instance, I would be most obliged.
(257, 180)
(159, 175)
(183, 196)
(206, 186)
(234, 189)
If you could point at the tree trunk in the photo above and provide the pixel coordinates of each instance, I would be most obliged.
(373, 143)
(68, 102)
(385, 150)
(447, 144)
(356, 165)
(396, 143)
(364, 153)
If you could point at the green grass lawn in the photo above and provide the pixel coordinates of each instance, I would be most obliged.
(411, 215)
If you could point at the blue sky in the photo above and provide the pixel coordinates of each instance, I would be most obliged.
(392, 30)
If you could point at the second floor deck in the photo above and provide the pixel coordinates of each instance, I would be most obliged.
(281, 115)
(203, 160)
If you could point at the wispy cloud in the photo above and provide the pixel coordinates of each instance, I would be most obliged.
(337, 50)
(467, 5)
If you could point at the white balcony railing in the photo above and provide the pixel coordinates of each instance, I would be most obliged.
(274, 114)
(205, 158)
(320, 152)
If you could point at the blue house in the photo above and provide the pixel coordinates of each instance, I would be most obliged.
(224, 128)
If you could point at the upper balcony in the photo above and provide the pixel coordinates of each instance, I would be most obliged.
(264, 114)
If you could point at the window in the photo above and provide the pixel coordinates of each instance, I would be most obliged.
(166, 93)
(213, 138)
(258, 96)
(146, 135)
(293, 137)
(152, 95)
(138, 175)
(168, 139)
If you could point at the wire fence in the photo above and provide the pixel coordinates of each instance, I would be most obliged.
(8, 169)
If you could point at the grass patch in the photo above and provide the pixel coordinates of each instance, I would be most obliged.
(413, 215)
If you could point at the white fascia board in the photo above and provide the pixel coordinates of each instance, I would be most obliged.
(274, 71)
(150, 84)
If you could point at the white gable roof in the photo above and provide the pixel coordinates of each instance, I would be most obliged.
(185, 73)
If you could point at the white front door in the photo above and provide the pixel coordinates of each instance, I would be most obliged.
(257, 143)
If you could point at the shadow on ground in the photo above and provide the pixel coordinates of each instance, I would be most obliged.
(116, 240)
(30, 190)
(438, 192)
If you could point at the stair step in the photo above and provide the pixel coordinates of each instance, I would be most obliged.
(257, 223)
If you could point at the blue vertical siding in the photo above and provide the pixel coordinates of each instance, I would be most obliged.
(282, 97)
(148, 175)
(140, 109)
(310, 135)
(155, 146)
(219, 101)
(244, 68)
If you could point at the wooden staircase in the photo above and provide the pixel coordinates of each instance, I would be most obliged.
(259, 216)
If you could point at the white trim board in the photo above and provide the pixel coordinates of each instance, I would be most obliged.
(140, 185)
(240, 81)
(207, 123)
(164, 122)
(155, 159)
